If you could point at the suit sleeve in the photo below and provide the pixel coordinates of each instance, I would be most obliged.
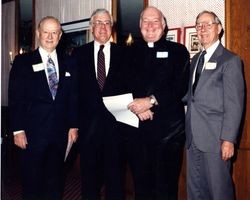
(74, 97)
(233, 94)
(17, 94)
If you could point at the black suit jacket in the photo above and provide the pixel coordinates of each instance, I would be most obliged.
(94, 117)
(162, 71)
(32, 107)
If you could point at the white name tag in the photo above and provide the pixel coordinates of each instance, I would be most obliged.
(38, 67)
(210, 65)
(162, 54)
(67, 74)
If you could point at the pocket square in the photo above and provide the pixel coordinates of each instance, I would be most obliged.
(38, 67)
(210, 65)
(67, 74)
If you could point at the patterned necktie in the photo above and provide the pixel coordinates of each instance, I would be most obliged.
(101, 74)
(52, 76)
(199, 69)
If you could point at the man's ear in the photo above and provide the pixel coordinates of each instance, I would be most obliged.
(37, 33)
(219, 29)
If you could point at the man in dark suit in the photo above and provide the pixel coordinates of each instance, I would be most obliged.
(215, 102)
(43, 112)
(161, 82)
(99, 138)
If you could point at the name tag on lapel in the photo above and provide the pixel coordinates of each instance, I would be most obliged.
(38, 67)
(210, 65)
(162, 54)
(67, 74)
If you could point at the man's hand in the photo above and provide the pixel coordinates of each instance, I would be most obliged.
(20, 140)
(227, 150)
(146, 115)
(73, 134)
(140, 105)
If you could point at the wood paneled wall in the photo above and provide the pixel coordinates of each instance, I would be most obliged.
(238, 40)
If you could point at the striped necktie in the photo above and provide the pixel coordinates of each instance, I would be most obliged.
(101, 74)
(52, 77)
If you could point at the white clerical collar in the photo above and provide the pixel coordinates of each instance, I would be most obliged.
(150, 44)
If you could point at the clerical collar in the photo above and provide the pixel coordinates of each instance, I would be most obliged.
(150, 44)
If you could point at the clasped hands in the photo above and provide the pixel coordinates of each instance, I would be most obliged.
(141, 107)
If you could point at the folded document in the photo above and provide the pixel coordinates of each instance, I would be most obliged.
(118, 106)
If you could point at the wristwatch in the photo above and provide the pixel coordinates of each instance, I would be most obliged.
(152, 100)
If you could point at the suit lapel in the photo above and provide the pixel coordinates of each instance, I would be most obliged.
(40, 75)
(207, 73)
(62, 71)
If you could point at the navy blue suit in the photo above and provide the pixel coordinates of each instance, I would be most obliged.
(99, 135)
(46, 122)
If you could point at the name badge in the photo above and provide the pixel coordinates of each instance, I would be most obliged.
(67, 74)
(210, 65)
(38, 67)
(162, 54)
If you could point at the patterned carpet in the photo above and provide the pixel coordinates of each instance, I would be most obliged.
(11, 187)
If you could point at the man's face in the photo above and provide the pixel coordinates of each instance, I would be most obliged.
(49, 34)
(101, 27)
(152, 25)
(207, 30)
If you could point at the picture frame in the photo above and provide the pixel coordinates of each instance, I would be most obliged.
(191, 40)
(75, 34)
(174, 34)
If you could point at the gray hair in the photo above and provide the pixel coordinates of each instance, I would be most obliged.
(216, 18)
(100, 11)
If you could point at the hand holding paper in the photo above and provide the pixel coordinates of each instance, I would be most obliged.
(117, 105)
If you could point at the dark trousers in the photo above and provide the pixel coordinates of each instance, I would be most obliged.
(42, 171)
(101, 168)
(133, 156)
(155, 163)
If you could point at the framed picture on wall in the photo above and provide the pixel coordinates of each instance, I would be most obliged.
(75, 34)
(174, 34)
(191, 40)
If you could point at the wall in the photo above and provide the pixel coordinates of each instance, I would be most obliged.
(67, 11)
(238, 40)
(8, 44)
(181, 13)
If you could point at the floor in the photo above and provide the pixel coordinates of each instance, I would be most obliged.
(10, 179)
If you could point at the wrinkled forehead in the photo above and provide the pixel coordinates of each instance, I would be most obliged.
(50, 23)
(151, 13)
(102, 16)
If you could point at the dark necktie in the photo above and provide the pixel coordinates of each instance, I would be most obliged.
(52, 76)
(101, 74)
(199, 69)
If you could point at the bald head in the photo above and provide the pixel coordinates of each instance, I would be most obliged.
(152, 24)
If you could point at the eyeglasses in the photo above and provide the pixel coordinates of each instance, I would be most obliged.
(206, 26)
(102, 23)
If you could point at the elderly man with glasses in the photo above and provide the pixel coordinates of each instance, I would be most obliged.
(215, 102)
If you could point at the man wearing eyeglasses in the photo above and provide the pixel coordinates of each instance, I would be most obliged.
(215, 102)
(100, 74)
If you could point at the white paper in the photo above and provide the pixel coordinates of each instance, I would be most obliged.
(118, 106)
(69, 145)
